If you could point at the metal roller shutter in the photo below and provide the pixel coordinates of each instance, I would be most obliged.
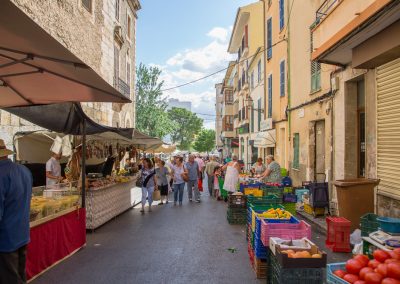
(388, 127)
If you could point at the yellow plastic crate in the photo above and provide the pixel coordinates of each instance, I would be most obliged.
(262, 215)
(253, 191)
(315, 211)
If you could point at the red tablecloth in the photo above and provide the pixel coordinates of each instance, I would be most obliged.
(54, 240)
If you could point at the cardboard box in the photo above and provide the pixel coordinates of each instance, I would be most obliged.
(302, 244)
(287, 262)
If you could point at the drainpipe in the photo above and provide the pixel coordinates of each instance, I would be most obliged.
(288, 83)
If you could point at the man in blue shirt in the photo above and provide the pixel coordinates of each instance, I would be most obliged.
(15, 198)
(194, 173)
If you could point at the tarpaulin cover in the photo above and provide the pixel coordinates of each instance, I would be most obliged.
(65, 118)
(55, 240)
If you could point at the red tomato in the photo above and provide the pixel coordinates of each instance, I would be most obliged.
(360, 282)
(362, 258)
(364, 271)
(373, 263)
(382, 269)
(340, 273)
(390, 281)
(389, 260)
(353, 266)
(373, 278)
(397, 250)
(351, 278)
(393, 270)
(381, 255)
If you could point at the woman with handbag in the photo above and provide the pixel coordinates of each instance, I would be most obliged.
(180, 176)
(149, 183)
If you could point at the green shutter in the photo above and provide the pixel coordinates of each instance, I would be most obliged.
(252, 118)
(296, 150)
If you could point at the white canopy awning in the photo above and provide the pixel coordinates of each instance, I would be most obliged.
(265, 139)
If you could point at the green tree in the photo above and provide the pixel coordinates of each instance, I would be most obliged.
(151, 115)
(188, 125)
(205, 141)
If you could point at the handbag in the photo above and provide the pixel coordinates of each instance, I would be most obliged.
(146, 180)
(185, 176)
(156, 195)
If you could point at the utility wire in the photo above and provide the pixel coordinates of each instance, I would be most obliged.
(224, 69)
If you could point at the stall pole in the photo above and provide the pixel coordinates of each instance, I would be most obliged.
(84, 164)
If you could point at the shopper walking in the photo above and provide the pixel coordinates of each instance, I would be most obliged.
(179, 174)
(15, 198)
(210, 166)
(149, 180)
(194, 173)
(232, 174)
(162, 181)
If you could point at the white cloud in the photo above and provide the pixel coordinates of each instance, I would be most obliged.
(219, 33)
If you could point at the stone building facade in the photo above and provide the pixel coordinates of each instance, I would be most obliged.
(102, 33)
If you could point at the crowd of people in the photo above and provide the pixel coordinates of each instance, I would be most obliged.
(182, 172)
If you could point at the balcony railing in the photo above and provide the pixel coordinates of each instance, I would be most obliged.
(122, 87)
(324, 10)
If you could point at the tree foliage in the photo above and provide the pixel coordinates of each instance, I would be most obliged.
(187, 126)
(205, 141)
(151, 115)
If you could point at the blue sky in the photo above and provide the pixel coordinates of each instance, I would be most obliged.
(187, 39)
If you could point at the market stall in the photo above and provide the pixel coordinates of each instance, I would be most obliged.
(109, 188)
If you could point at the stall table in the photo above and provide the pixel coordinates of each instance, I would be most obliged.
(107, 202)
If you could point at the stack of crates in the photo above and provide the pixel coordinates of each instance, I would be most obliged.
(338, 234)
(277, 274)
(236, 213)
(272, 190)
(258, 253)
(368, 224)
(289, 200)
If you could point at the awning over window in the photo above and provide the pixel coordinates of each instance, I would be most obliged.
(265, 139)
(36, 69)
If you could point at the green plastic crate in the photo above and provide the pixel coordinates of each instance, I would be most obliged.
(290, 207)
(368, 224)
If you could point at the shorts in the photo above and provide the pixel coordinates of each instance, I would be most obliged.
(163, 189)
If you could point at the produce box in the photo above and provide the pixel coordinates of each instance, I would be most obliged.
(368, 224)
(284, 231)
(260, 267)
(332, 278)
(285, 244)
(278, 274)
(237, 200)
(313, 258)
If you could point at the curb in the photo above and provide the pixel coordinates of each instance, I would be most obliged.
(310, 219)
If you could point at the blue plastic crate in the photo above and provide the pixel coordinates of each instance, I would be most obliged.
(332, 278)
(389, 225)
(289, 197)
(260, 251)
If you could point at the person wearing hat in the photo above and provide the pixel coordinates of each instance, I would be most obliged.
(15, 199)
(53, 170)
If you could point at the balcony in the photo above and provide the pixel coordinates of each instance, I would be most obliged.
(228, 110)
(342, 26)
(122, 87)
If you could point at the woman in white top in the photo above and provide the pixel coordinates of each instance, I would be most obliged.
(178, 170)
(232, 175)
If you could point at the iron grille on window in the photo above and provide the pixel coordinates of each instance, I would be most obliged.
(87, 4)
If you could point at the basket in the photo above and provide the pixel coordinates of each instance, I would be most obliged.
(315, 211)
(236, 201)
(338, 234)
(368, 224)
(278, 274)
(332, 278)
(389, 225)
(254, 215)
(290, 207)
(287, 231)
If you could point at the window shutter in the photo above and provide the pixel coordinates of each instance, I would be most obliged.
(281, 14)
(270, 96)
(246, 36)
(315, 75)
(269, 38)
(282, 78)
(252, 117)
(259, 114)
(296, 151)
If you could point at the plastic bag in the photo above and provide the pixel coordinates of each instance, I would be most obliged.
(355, 237)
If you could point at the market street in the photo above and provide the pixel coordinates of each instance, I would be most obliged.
(170, 245)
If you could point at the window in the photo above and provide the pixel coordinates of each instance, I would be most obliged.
(252, 80)
(269, 38)
(128, 73)
(228, 97)
(315, 76)
(259, 114)
(259, 71)
(296, 151)
(270, 96)
(87, 4)
(246, 36)
(117, 10)
(116, 64)
(128, 28)
(281, 14)
(252, 117)
(282, 78)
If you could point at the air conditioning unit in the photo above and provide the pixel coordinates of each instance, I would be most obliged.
(335, 83)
